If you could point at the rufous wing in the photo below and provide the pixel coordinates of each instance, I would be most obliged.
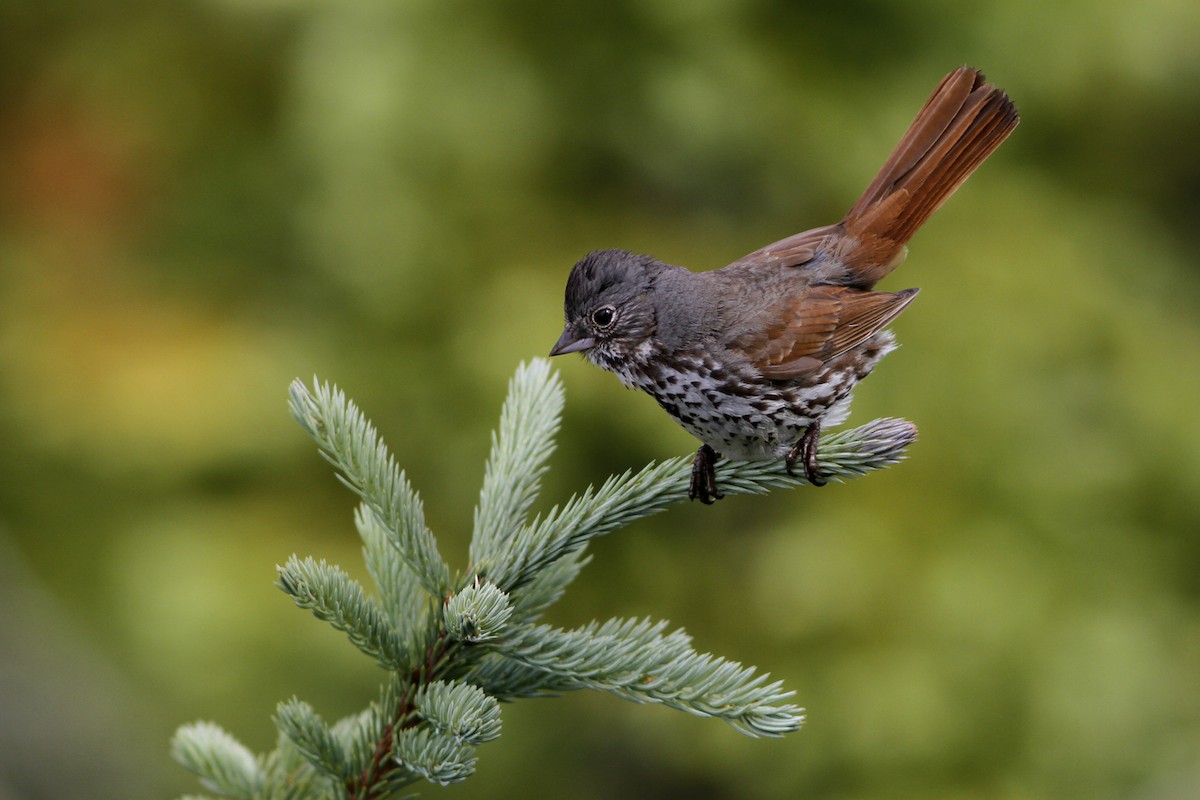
(794, 251)
(817, 325)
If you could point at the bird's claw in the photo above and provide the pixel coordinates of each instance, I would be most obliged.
(704, 476)
(805, 451)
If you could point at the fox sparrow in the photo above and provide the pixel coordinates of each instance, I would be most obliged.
(753, 358)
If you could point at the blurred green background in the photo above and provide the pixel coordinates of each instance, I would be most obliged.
(201, 200)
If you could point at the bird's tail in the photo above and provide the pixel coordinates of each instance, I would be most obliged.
(963, 121)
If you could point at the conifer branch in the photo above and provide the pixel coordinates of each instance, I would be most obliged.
(334, 597)
(403, 599)
(623, 499)
(635, 660)
(528, 422)
(349, 442)
(454, 647)
(299, 722)
(223, 763)
(461, 710)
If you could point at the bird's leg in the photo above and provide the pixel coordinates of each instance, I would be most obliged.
(704, 476)
(805, 450)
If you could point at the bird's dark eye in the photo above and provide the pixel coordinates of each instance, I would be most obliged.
(603, 316)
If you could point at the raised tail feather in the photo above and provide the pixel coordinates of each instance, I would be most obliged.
(959, 126)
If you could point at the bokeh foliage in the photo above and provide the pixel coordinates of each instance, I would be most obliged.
(201, 200)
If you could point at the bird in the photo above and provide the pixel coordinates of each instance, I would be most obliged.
(754, 358)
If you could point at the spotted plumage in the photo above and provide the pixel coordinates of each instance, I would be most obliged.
(753, 358)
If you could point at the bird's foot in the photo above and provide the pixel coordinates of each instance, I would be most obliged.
(805, 451)
(704, 476)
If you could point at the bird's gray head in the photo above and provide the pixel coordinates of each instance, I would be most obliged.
(608, 308)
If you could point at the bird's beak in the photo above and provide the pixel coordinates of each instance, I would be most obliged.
(571, 342)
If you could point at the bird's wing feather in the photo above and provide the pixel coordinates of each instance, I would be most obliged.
(816, 325)
(794, 251)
